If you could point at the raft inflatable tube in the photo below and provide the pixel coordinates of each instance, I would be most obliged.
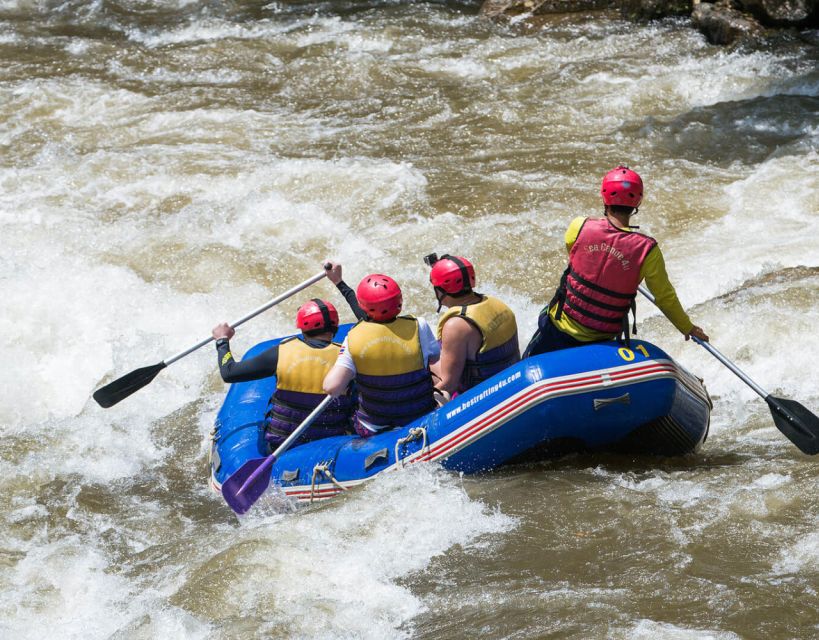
(599, 397)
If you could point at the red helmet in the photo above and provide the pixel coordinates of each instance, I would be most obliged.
(452, 275)
(622, 186)
(317, 315)
(380, 297)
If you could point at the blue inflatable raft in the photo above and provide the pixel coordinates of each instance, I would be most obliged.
(603, 396)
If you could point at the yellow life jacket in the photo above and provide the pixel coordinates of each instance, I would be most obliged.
(300, 372)
(386, 349)
(495, 321)
(302, 368)
(394, 386)
(499, 338)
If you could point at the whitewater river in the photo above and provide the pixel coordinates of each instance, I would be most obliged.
(169, 164)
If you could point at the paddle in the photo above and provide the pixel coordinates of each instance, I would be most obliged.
(250, 481)
(795, 421)
(121, 388)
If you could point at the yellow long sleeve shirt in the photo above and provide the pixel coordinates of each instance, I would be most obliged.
(656, 278)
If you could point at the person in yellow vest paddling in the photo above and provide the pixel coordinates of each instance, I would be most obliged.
(478, 333)
(388, 356)
(608, 260)
(300, 365)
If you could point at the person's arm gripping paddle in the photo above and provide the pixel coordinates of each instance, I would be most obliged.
(795, 421)
(121, 388)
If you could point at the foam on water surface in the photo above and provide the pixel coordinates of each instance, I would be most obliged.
(187, 163)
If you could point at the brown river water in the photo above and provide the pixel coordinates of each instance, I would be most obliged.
(169, 165)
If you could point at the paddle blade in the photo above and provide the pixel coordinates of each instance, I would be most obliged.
(247, 484)
(798, 424)
(123, 387)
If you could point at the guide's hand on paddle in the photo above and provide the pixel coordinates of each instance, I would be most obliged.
(223, 330)
(333, 272)
(697, 332)
(796, 422)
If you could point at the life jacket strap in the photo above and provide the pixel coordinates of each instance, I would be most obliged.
(596, 316)
(598, 288)
(393, 417)
(560, 294)
(603, 305)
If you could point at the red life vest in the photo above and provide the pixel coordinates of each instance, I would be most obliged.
(599, 285)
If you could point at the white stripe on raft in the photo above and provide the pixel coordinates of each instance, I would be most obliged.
(497, 416)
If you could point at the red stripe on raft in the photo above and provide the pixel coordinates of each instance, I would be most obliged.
(318, 493)
(483, 423)
(445, 445)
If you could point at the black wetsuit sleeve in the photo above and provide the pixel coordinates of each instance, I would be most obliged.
(261, 366)
(349, 296)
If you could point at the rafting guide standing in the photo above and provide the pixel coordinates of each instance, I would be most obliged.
(608, 259)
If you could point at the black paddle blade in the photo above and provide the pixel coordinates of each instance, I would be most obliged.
(798, 424)
(241, 502)
(123, 387)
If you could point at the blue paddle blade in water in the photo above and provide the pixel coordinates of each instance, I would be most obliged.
(240, 497)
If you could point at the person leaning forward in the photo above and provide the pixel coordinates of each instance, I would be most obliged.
(300, 364)
(388, 357)
(478, 333)
(607, 262)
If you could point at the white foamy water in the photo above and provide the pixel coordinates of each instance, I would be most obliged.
(337, 567)
(167, 166)
(327, 572)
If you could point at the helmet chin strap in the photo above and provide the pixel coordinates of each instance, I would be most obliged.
(439, 296)
(628, 226)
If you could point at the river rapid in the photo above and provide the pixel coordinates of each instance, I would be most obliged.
(169, 165)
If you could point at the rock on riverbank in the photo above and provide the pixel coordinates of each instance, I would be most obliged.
(722, 22)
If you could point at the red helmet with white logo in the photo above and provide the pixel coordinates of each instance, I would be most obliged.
(317, 315)
(452, 275)
(380, 297)
(622, 186)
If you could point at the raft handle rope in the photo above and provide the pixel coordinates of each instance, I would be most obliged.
(414, 434)
(323, 468)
